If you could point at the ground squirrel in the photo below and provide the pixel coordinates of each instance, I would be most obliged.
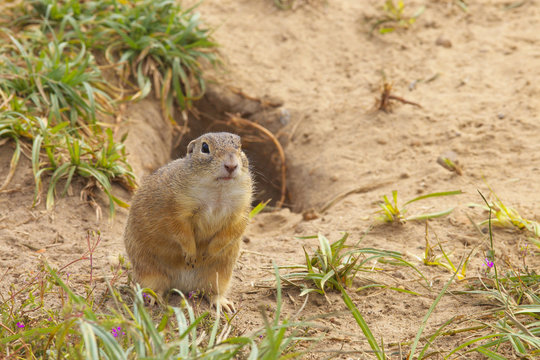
(187, 218)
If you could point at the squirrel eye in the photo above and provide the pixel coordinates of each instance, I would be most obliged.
(204, 148)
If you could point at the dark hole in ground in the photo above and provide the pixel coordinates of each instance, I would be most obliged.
(213, 113)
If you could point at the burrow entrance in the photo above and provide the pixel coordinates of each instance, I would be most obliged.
(260, 123)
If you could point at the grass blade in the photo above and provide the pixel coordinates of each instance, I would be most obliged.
(490, 354)
(430, 311)
(257, 209)
(437, 194)
(362, 323)
(430, 215)
(91, 347)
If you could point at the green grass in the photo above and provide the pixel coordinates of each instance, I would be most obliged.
(393, 17)
(257, 209)
(335, 266)
(392, 212)
(160, 45)
(117, 325)
(507, 217)
(433, 258)
(67, 65)
(515, 320)
(512, 327)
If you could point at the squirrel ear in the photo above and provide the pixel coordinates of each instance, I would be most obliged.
(190, 147)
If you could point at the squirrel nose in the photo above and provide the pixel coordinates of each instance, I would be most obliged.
(230, 167)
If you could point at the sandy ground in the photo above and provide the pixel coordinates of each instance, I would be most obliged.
(479, 97)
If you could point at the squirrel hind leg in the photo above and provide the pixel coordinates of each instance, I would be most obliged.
(157, 282)
(218, 281)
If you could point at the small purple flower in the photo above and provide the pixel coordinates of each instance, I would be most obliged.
(20, 324)
(116, 332)
(146, 298)
(488, 263)
(190, 295)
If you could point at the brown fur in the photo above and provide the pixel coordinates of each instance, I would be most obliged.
(185, 222)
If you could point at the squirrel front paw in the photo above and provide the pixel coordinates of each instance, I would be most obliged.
(190, 260)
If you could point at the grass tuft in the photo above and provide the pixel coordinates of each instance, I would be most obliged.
(45, 316)
(394, 17)
(335, 266)
(56, 101)
(443, 260)
(160, 45)
(391, 212)
(514, 326)
(507, 217)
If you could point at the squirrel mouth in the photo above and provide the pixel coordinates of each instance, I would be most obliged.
(225, 178)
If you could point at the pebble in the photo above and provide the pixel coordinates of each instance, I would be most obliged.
(444, 42)
(285, 116)
(309, 215)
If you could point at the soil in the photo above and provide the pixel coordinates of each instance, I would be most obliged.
(475, 75)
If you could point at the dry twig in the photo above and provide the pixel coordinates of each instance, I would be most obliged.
(236, 120)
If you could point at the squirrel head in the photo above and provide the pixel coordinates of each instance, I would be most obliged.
(218, 156)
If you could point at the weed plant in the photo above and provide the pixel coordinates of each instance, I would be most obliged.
(335, 266)
(391, 212)
(56, 101)
(507, 217)
(78, 328)
(510, 329)
(394, 18)
(160, 44)
(332, 267)
(431, 258)
(514, 325)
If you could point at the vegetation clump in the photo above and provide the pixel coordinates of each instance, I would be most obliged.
(67, 65)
